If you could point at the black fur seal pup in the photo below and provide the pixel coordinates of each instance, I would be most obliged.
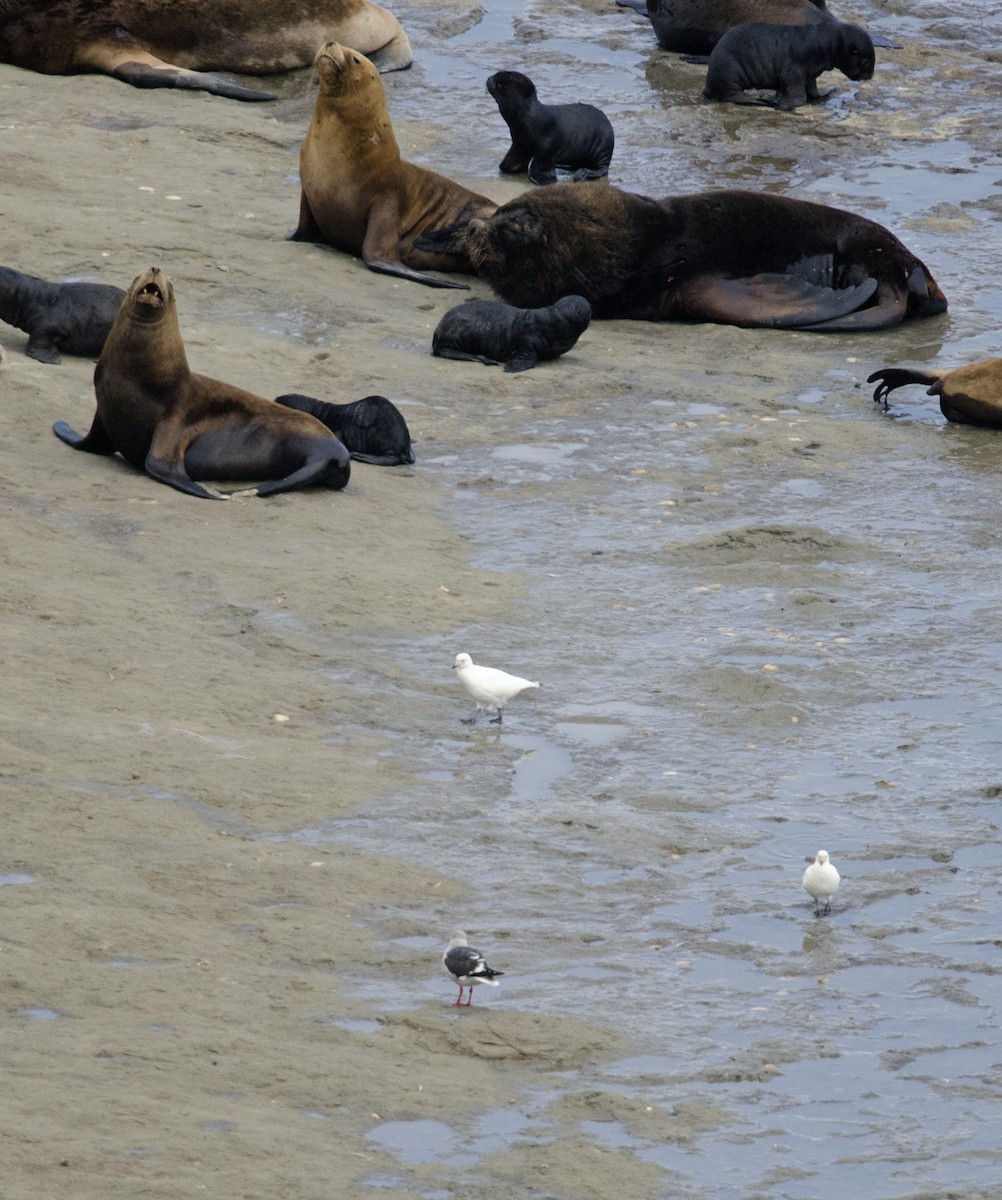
(970, 395)
(492, 332)
(734, 257)
(59, 318)
(373, 428)
(788, 59)
(573, 137)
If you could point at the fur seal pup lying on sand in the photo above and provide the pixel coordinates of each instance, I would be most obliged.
(179, 427)
(787, 59)
(59, 318)
(373, 428)
(491, 332)
(177, 43)
(970, 395)
(734, 257)
(358, 194)
(546, 137)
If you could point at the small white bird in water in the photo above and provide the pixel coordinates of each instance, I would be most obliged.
(467, 967)
(490, 687)
(821, 881)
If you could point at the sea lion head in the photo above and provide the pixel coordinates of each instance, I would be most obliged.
(511, 87)
(571, 317)
(150, 297)
(343, 71)
(856, 58)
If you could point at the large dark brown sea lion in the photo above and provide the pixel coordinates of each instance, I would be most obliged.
(734, 257)
(492, 332)
(358, 194)
(373, 428)
(578, 138)
(173, 43)
(179, 427)
(969, 395)
(695, 26)
(787, 59)
(67, 318)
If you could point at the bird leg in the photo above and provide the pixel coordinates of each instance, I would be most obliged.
(497, 720)
(469, 720)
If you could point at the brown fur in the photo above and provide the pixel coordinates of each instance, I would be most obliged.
(358, 194)
(170, 43)
(180, 427)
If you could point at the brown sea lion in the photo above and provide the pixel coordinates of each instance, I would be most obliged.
(734, 257)
(67, 318)
(970, 395)
(173, 43)
(179, 427)
(787, 59)
(358, 194)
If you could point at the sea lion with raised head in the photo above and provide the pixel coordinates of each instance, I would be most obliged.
(373, 428)
(545, 138)
(786, 59)
(733, 257)
(179, 427)
(491, 332)
(59, 318)
(358, 194)
(178, 43)
(970, 395)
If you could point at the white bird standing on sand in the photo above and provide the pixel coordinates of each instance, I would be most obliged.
(821, 881)
(467, 967)
(490, 687)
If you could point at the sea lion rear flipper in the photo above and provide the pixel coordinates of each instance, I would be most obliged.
(128, 61)
(463, 356)
(95, 441)
(384, 267)
(890, 378)
(774, 301)
(638, 6)
(165, 461)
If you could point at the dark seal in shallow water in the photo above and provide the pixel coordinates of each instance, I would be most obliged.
(491, 332)
(179, 427)
(695, 26)
(59, 318)
(176, 43)
(787, 59)
(577, 138)
(969, 395)
(735, 257)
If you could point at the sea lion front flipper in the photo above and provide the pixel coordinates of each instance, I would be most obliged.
(463, 356)
(95, 441)
(878, 39)
(42, 348)
(522, 360)
(386, 267)
(449, 239)
(638, 6)
(773, 300)
(128, 61)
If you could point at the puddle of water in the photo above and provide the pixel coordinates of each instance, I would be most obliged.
(16, 878)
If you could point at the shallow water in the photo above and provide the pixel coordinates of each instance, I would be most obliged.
(764, 625)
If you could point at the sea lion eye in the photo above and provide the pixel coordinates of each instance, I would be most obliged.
(356, 60)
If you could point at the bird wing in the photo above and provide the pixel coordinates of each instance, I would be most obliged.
(466, 962)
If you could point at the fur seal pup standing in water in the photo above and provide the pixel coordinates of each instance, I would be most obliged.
(788, 59)
(59, 318)
(179, 427)
(373, 428)
(970, 395)
(174, 43)
(491, 332)
(546, 137)
(358, 194)
(734, 257)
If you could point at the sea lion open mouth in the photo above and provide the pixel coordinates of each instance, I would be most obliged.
(150, 294)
